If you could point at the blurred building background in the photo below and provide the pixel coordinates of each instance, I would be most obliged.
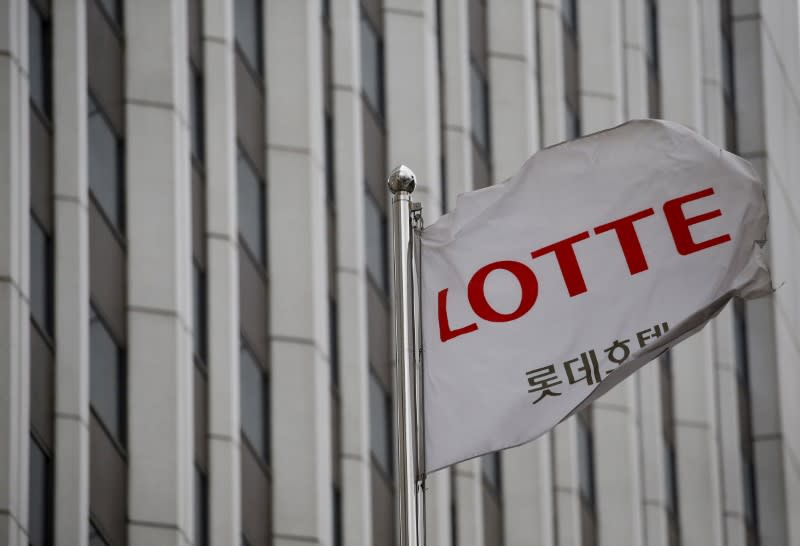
(194, 310)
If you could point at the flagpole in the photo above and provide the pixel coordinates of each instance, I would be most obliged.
(411, 493)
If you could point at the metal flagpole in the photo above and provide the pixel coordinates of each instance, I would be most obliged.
(410, 485)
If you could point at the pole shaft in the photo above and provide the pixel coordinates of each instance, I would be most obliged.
(411, 534)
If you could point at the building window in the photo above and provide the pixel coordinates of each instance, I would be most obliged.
(479, 101)
(252, 207)
(572, 121)
(105, 166)
(107, 382)
(95, 538)
(585, 458)
(196, 106)
(330, 166)
(372, 66)
(338, 536)
(490, 467)
(376, 238)
(41, 276)
(651, 28)
(199, 315)
(380, 421)
(39, 59)
(746, 440)
(200, 508)
(249, 32)
(255, 404)
(113, 10)
(670, 459)
(569, 11)
(40, 497)
(333, 332)
(670, 479)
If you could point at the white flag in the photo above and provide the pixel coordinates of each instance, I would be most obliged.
(541, 293)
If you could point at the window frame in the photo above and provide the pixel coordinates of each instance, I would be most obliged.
(265, 416)
(45, 111)
(382, 283)
(387, 469)
(259, 257)
(118, 229)
(379, 109)
(255, 66)
(47, 326)
(49, 505)
(119, 441)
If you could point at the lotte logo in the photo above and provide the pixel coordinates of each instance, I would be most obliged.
(564, 253)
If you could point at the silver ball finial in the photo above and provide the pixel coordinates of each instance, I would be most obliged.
(402, 179)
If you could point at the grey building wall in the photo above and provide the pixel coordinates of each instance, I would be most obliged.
(194, 340)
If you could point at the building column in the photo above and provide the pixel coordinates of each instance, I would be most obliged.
(225, 524)
(615, 420)
(526, 470)
(467, 477)
(550, 32)
(14, 258)
(634, 69)
(71, 274)
(767, 113)
(565, 496)
(693, 369)
(651, 423)
(468, 489)
(160, 367)
(300, 378)
(412, 96)
(351, 276)
(721, 330)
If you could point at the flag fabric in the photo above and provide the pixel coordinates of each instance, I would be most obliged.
(541, 293)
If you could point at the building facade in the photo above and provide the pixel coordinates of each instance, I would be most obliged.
(195, 336)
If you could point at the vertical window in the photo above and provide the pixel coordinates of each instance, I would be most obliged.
(651, 28)
(39, 59)
(479, 102)
(249, 32)
(113, 9)
(380, 412)
(196, 106)
(330, 166)
(95, 538)
(105, 166)
(372, 66)
(252, 219)
(199, 315)
(586, 484)
(200, 508)
(333, 332)
(337, 517)
(746, 422)
(670, 460)
(490, 468)
(569, 11)
(572, 122)
(585, 459)
(40, 499)
(41, 276)
(670, 479)
(107, 380)
(652, 53)
(255, 404)
(376, 236)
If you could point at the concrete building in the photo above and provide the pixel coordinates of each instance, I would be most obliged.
(194, 310)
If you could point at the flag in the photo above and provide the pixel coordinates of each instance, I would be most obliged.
(541, 293)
